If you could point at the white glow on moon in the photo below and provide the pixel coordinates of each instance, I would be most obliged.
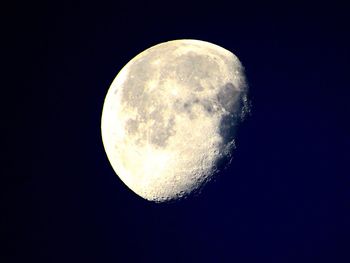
(169, 117)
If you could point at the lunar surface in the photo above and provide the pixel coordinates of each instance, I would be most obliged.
(170, 116)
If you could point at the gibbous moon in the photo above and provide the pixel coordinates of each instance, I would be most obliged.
(169, 117)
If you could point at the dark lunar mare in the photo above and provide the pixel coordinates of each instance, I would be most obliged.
(230, 98)
(235, 103)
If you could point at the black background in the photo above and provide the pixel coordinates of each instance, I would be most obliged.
(286, 196)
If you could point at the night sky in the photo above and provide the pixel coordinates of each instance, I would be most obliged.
(286, 195)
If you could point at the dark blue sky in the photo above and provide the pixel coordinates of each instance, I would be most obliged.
(286, 195)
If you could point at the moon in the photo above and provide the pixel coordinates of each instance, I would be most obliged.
(170, 116)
